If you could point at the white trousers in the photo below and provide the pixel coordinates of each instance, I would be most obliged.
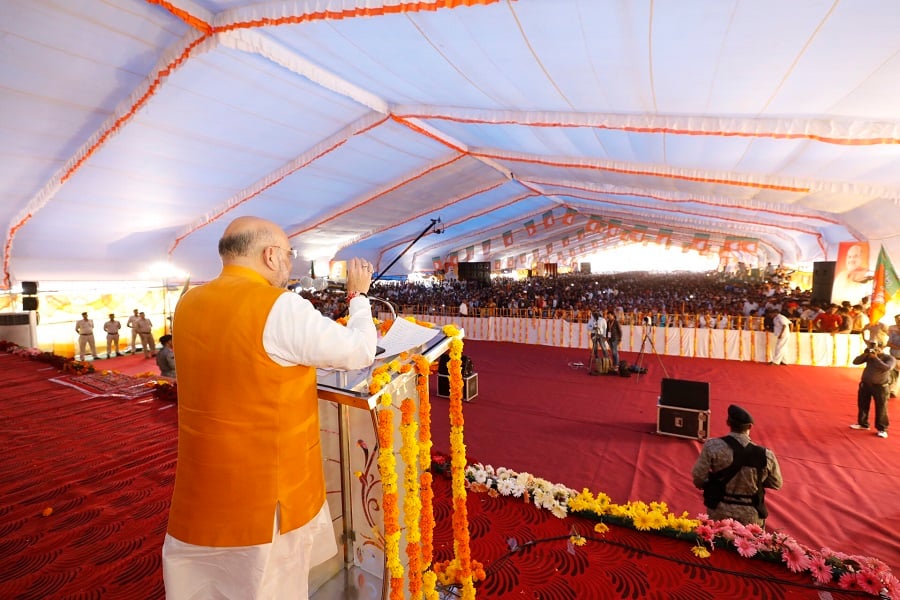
(780, 351)
(275, 571)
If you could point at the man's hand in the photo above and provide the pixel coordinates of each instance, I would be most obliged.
(359, 276)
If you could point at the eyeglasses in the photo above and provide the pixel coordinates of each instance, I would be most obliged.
(293, 252)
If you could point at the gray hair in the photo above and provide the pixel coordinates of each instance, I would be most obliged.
(242, 243)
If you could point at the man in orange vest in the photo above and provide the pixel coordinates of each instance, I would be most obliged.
(248, 516)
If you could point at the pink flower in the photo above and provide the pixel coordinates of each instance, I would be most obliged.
(745, 547)
(705, 533)
(869, 582)
(754, 529)
(795, 558)
(848, 581)
(821, 572)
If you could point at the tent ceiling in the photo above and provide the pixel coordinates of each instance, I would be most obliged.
(536, 130)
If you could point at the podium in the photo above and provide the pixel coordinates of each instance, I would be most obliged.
(348, 417)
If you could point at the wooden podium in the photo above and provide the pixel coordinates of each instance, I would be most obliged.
(349, 438)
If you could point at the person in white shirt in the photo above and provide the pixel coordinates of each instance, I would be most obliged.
(85, 330)
(781, 329)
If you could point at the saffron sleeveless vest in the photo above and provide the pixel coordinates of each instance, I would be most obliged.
(248, 428)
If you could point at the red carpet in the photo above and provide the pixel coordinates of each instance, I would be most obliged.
(535, 413)
(105, 465)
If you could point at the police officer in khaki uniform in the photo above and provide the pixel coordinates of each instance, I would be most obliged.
(85, 330)
(134, 333)
(112, 328)
(144, 328)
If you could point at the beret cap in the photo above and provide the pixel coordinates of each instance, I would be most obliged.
(738, 415)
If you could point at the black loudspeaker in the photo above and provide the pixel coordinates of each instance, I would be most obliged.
(29, 303)
(29, 288)
(479, 272)
(681, 393)
(466, 367)
(822, 282)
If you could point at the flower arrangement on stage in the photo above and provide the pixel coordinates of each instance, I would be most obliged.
(848, 572)
(825, 566)
(66, 365)
(167, 391)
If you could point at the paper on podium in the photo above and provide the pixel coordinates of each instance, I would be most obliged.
(405, 335)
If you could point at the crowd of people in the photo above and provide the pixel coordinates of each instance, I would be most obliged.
(713, 300)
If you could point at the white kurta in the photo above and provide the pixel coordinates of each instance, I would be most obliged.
(781, 327)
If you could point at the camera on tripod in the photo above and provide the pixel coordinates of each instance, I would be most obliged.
(647, 321)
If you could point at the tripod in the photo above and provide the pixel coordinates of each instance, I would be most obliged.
(647, 341)
(599, 361)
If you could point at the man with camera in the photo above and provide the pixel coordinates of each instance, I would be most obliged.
(874, 384)
(596, 325)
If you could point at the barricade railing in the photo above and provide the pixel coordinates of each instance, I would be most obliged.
(658, 319)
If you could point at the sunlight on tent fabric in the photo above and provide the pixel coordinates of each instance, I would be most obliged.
(650, 258)
(163, 271)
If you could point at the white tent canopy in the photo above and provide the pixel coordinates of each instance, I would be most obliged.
(133, 131)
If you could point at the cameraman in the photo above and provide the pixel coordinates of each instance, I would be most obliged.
(597, 327)
(874, 384)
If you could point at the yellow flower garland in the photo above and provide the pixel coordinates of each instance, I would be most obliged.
(459, 569)
(412, 503)
(426, 522)
(387, 466)
(418, 503)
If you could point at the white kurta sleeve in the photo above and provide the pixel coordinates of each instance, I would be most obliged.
(298, 334)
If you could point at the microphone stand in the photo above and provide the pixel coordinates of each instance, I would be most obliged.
(411, 244)
(387, 303)
(431, 225)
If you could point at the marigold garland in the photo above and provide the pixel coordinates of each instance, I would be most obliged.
(460, 568)
(419, 496)
(426, 518)
(387, 467)
(412, 503)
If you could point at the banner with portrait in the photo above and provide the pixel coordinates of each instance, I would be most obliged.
(852, 275)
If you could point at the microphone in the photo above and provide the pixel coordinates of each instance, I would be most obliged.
(385, 302)
(379, 349)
